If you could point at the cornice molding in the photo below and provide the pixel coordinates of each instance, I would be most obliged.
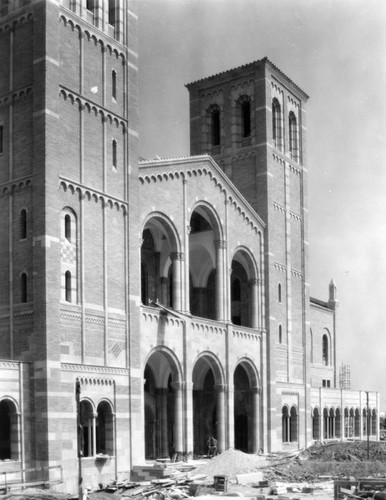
(15, 186)
(16, 95)
(89, 194)
(15, 21)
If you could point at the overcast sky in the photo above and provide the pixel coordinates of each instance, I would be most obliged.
(335, 50)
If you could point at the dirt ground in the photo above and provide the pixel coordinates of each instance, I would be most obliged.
(301, 475)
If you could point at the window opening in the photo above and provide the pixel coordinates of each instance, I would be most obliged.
(279, 292)
(114, 84)
(246, 118)
(325, 349)
(215, 116)
(86, 418)
(293, 136)
(67, 227)
(276, 123)
(112, 13)
(114, 153)
(23, 224)
(68, 286)
(1, 139)
(23, 287)
(280, 334)
(90, 5)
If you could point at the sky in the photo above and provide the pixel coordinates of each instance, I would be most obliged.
(334, 50)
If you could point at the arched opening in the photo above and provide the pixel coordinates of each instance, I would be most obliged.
(160, 265)
(23, 224)
(68, 286)
(325, 357)
(316, 424)
(215, 126)
(245, 106)
(67, 227)
(357, 423)
(23, 288)
(205, 274)
(163, 420)
(208, 405)
(338, 423)
(87, 423)
(245, 411)
(293, 136)
(244, 291)
(294, 425)
(285, 424)
(276, 124)
(104, 429)
(9, 435)
(280, 334)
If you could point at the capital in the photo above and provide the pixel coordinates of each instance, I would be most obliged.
(178, 385)
(177, 256)
(221, 244)
(220, 387)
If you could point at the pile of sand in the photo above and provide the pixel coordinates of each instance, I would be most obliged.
(232, 462)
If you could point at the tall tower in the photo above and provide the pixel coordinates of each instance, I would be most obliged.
(68, 172)
(252, 121)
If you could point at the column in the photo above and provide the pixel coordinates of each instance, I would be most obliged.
(255, 394)
(178, 420)
(177, 259)
(254, 295)
(188, 417)
(220, 246)
(220, 389)
(92, 441)
(162, 427)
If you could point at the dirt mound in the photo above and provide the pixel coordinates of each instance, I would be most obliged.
(231, 463)
(348, 451)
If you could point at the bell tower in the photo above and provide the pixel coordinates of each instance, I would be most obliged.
(251, 120)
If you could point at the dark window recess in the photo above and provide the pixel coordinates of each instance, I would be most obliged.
(246, 118)
(216, 127)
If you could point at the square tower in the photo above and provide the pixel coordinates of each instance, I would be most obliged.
(68, 172)
(252, 121)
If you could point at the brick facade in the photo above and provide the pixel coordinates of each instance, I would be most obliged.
(172, 293)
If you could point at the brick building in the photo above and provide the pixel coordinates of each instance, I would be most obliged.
(147, 305)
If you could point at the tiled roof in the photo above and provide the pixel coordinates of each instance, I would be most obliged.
(265, 60)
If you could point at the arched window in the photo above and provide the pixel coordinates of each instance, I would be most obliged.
(215, 126)
(280, 334)
(114, 153)
(279, 292)
(86, 413)
(294, 424)
(114, 84)
(246, 118)
(23, 224)
(112, 13)
(276, 124)
(23, 288)
(293, 136)
(285, 423)
(316, 425)
(68, 286)
(325, 359)
(67, 227)
(104, 429)
(8, 431)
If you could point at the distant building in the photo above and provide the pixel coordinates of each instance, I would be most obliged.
(145, 306)
(345, 376)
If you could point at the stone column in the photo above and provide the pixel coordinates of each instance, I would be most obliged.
(162, 427)
(254, 302)
(92, 441)
(220, 246)
(220, 389)
(188, 417)
(177, 259)
(255, 427)
(178, 420)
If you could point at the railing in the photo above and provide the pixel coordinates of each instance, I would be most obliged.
(36, 476)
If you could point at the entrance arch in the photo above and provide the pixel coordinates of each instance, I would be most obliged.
(163, 406)
(206, 264)
(160, 263)
(244, 290)
(246, 408)
(208, 403)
